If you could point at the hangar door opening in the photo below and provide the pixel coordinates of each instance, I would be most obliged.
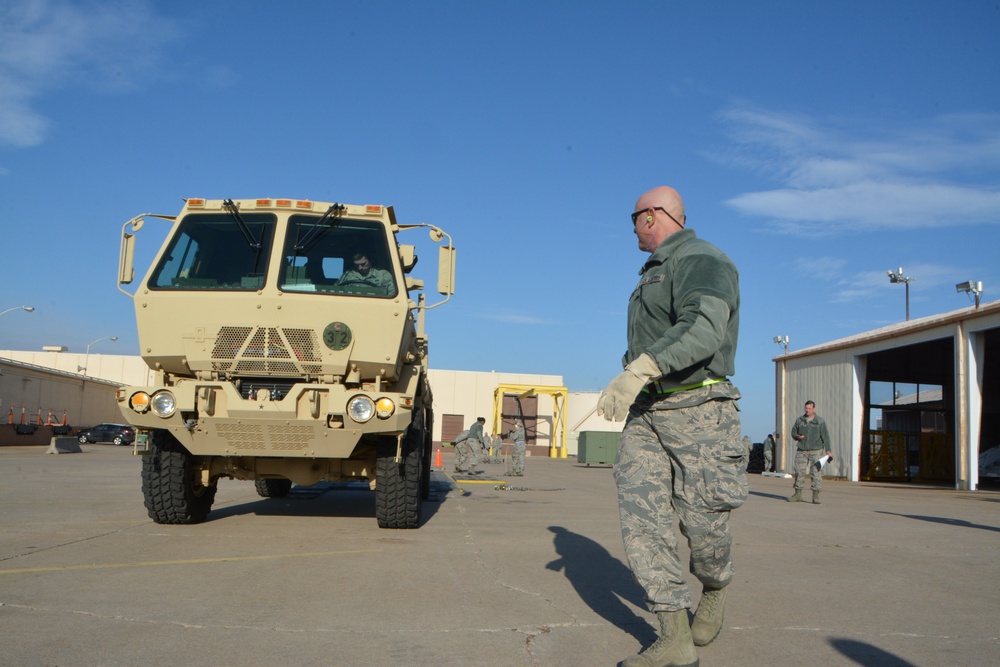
(989, 425)
(909, 426)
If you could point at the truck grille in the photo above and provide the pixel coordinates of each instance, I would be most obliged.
(266, 351)
(261, 437)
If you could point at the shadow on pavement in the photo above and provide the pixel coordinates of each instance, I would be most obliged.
(602, 581)
(942, 519)
(868, 655)
(773, 496)
(328, 499)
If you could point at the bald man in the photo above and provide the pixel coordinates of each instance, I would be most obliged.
(680, 455)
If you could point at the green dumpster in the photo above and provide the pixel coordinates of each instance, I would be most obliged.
(597, 447)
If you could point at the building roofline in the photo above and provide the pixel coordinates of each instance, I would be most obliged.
(54, 371)
(895, 330)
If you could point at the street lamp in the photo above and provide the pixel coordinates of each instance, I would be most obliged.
(86, 359)
(898, 277)
(27, 309)
(782, 340)
(973, 287)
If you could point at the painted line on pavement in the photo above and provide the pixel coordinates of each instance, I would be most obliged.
(190, 561)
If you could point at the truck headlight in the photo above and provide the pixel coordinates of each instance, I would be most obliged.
(139, 402)
(384, 407)
(163, 404)
(361, 409)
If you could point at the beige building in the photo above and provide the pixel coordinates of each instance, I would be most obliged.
(915, 402)
(83, 387)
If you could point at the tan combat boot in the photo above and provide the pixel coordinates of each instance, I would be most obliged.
(674, 648)
(797, 498)
(708, 619)
(815, 497)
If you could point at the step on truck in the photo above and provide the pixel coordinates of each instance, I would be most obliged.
(286, 339)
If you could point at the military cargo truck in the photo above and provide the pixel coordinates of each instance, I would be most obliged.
(287, 348)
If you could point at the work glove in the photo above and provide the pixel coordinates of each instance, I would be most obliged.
(615, 401)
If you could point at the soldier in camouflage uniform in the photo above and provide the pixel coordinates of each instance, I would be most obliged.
(520, 449)
(812, 439)
(468, 449)
(769, 443)
(497, 448)
(680, 456)
(461, 450)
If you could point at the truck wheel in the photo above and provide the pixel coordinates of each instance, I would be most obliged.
(171, 484)
(273, 488)
(397, 487)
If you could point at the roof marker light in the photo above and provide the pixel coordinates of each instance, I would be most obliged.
(263, 202)
(196, 202)
(303, 204)
(372, 209)
(283, 202)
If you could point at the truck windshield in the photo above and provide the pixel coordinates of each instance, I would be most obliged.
(347, 257)
(209, 252)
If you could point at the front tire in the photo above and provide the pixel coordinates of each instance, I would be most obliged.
(398, 486)
(83, 440)
(171, 483)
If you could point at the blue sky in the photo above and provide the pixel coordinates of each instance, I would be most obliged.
(818, 143)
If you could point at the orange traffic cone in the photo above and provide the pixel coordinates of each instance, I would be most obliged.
(438, 463)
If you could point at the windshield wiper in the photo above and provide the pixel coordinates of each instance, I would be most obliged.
(235, 213)
(319, 229)
(255, 244)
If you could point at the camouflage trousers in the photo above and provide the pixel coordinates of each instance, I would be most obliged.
(467, 454)
(689, 464)
(805, 464)
(517, 458)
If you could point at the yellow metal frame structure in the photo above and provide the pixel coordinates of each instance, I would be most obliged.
(560, 396)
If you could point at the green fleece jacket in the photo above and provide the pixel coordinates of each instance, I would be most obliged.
(685, 312)
(816, 434)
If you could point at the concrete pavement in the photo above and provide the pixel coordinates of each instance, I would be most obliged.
(877, 575)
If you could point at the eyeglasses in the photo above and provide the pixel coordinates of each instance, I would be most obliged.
(635, 216)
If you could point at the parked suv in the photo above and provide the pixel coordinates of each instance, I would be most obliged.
(119, 434)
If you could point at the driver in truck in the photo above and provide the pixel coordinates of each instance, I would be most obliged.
(364, 274)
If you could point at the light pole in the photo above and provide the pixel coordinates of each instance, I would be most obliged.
(779, 417)
(27, 309)
(86, 359)
(898, 277)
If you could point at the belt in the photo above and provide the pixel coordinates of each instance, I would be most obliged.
(658, 386)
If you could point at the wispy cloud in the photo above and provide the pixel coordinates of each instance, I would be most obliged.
(850, 286)
(47, 44)
(516, 318)
(942, 171)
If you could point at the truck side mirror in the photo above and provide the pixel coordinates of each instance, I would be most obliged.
(126, 260)
(446, 270)
(126, 257)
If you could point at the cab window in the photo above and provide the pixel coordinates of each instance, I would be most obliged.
(210, 252)
(337, 256)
